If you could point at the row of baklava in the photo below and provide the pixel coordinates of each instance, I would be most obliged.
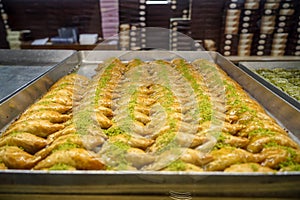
(156, 115)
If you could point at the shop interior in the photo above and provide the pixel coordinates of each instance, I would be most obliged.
(149, 99)
(230, 27)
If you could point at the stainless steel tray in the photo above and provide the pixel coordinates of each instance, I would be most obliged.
(160, 185)
(250, 68)
(27, 74)
(20, 68)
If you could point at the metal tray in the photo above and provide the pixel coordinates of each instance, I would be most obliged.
(20, 68)
(250, 68)
(27, 74)
(160, 185)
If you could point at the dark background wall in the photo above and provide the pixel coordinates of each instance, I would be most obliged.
(234, 27)
(44, 17)
(3, 42)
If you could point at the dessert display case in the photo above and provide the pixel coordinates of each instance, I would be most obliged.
(89, 184)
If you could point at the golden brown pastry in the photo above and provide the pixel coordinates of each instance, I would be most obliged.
(70, 79)
(50, 115)
(182, 166)
(232, 128)
(104, 110)
(195, 157)
(27, 141)
(76, 157)
(2, 166)
(133, 141)
(38, 127)
(257, 142)
(145, 101)
(138, 158)
(48, 105)
(69, 129)
(248, 167)
(257, 124)
(139, 116)
(227, 139)
(278, 156)
(190, 140)
(103, 121)
(171, 157)
(57, 98)
(15, 158)
(88, 142)
(228, 156)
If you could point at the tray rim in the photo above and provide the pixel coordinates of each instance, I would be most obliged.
(132, 172)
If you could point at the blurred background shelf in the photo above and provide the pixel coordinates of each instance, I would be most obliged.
(232, 27)
(78, 47)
